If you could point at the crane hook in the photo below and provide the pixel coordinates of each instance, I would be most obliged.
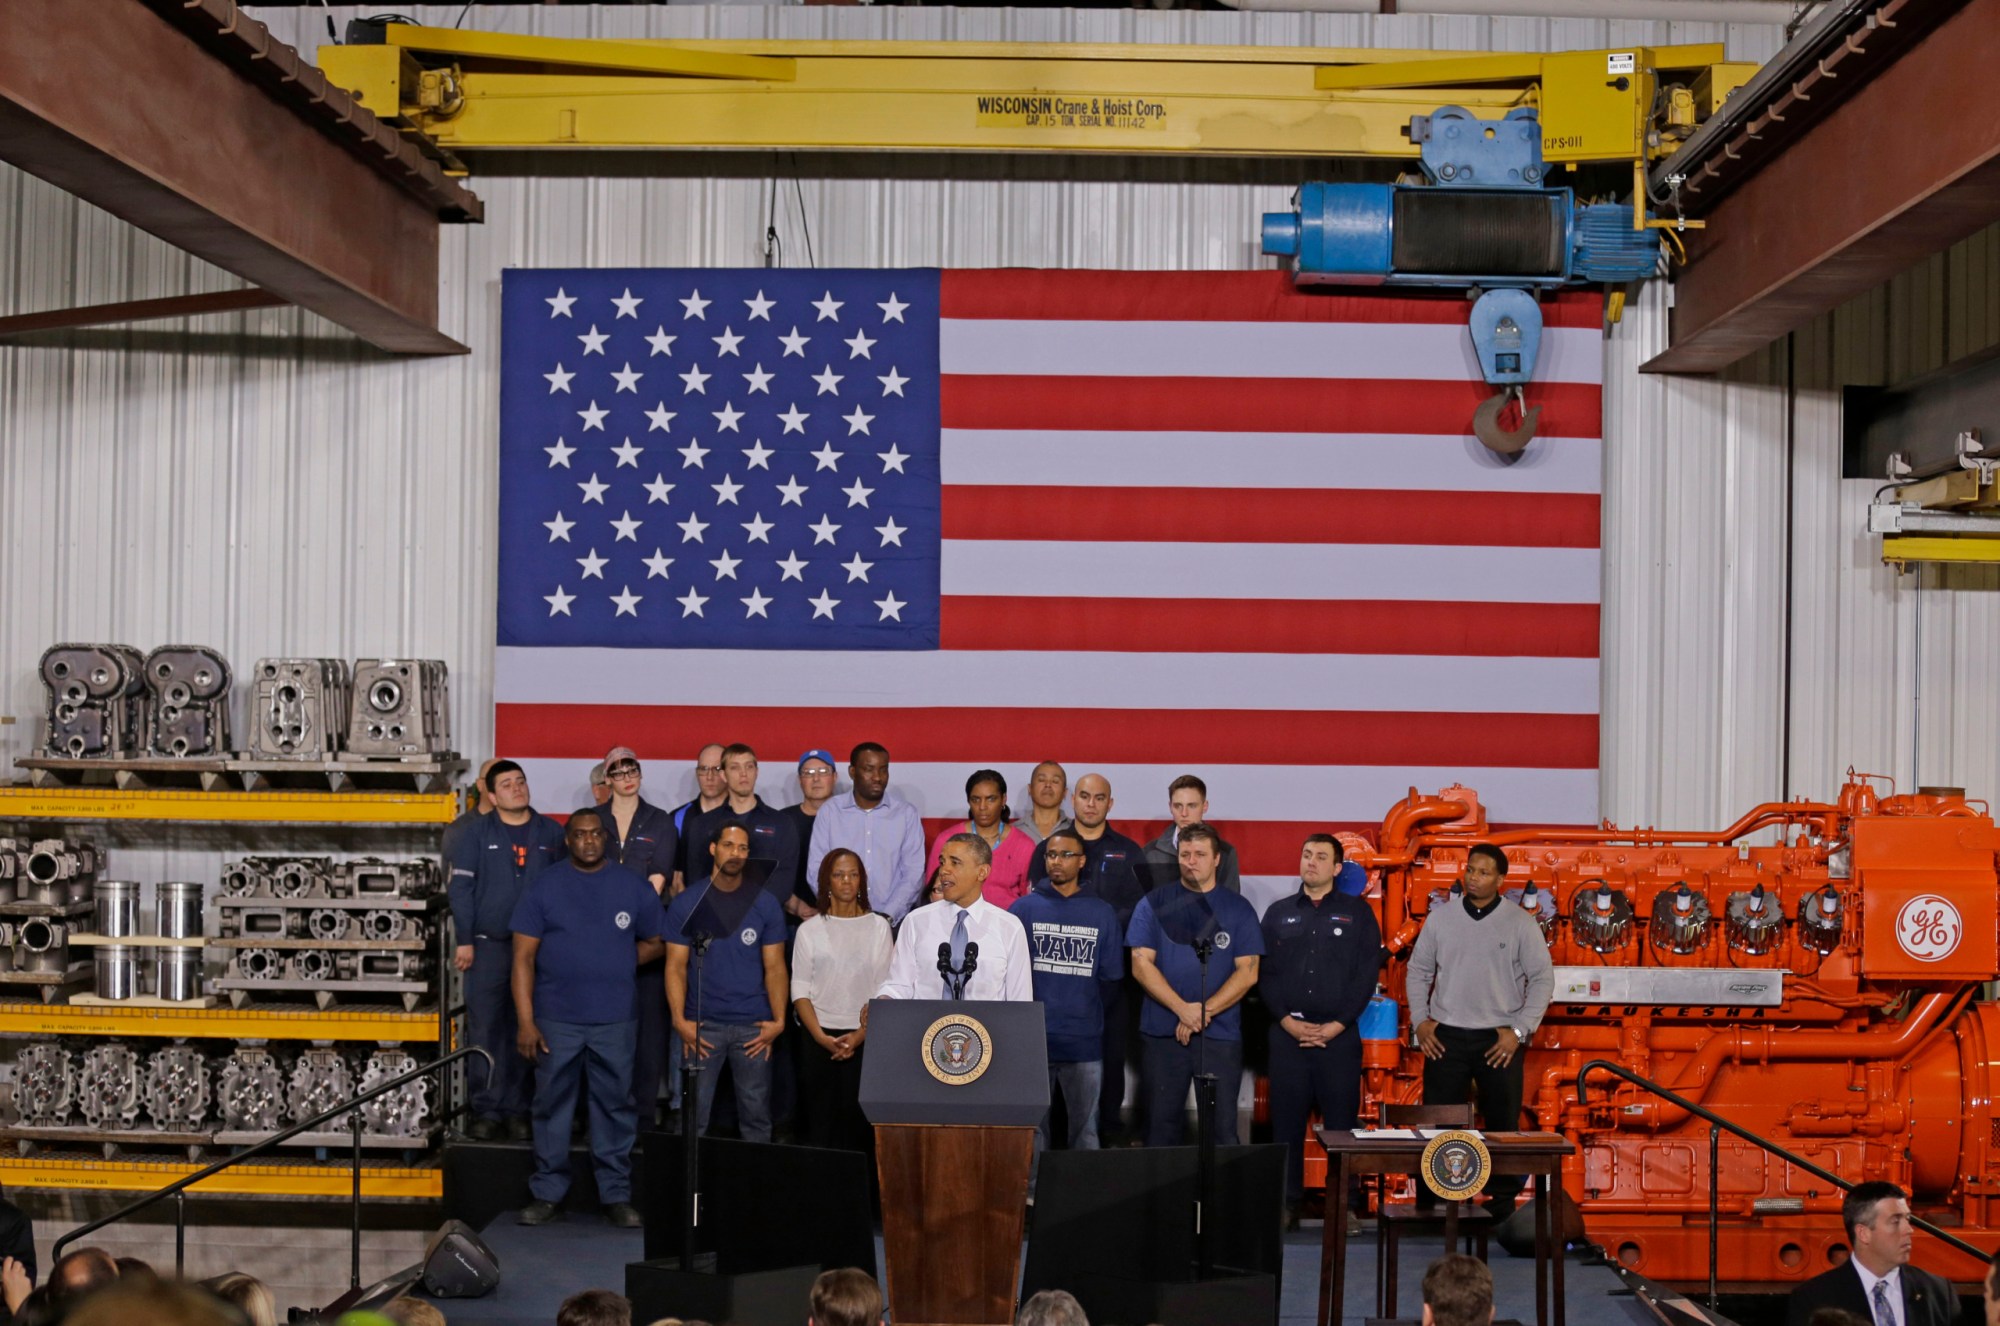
(1498, 437)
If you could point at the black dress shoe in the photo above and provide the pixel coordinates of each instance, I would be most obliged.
(537, 1213)
(622, 1215)
(519, 1130)
(483, 1130)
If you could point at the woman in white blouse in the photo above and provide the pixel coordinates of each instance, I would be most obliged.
(840, 958)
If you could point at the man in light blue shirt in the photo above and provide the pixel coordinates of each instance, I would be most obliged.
(881, 828)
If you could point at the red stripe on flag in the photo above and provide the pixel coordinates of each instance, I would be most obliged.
(1275, 626)
(1114, 736)
(1036, 293)
(1250, 405)
(1272, 515)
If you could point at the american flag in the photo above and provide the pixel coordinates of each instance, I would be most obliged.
(1144, 523)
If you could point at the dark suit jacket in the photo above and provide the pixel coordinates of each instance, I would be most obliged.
(17, 1237)
(1927, 1300)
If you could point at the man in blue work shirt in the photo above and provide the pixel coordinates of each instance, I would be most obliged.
(1322, 954)
(1185, 1023)
(772, 837)
(732, 1008)
(579, 934)
(494, 858)
(1074, 948)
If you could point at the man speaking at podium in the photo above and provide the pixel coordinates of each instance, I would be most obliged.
(961, 946)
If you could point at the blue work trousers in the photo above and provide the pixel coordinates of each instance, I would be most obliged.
(1168, 1069)
(603, 1052)
(1326, 1081)
(501, 1093)
(752, 1078)
(1079, 1085)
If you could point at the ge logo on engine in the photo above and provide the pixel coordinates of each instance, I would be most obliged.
(1929, 927)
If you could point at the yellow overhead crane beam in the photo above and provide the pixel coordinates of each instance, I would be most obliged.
(468, 91)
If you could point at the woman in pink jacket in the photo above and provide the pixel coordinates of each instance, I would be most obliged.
(986, 802)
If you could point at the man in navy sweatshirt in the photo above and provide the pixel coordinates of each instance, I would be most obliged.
(1076, 948)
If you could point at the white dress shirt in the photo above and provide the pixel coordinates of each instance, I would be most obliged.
(1868, 1278)
(1003, 970)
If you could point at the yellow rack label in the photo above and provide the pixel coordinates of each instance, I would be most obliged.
(1053, 110)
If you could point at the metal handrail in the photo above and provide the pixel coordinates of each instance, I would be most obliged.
(1717, 1125)
(178, 1188)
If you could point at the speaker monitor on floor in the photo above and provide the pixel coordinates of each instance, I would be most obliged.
(458, 1265)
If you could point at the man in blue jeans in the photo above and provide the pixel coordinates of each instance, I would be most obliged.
(1186, 1024)
(1074, 947)
(579, 934)
(731, 1007)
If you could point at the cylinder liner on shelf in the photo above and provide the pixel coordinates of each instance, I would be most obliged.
(117, 908)
(180, 910)
(177, 975)
(117, 971)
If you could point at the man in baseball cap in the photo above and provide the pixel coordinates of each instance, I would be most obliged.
(817, 782)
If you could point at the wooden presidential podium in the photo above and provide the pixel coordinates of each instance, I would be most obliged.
(955, 1090)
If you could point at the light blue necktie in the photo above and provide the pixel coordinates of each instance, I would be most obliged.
(1884, 1314)
(958, 956)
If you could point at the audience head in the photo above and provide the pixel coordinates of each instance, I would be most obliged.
(1090, 804)
(154, 1301)
(1458, 1291)
(1319, 860)
(1200, 853)
(481, 802)
(1052, 1307)
(963, 866)
(1062, 854)
(1877, 1216)
(506, 786)
(817, 779)
(600, 786)
(1048, 785)
(1187, 800)
(585, 837)
(842, 878)
(729, 847)
(81, 1271)
(133, 1266)
(868, 770)
(1485, 867)
(595, 1307)
(1992, 1288)
(247, 1294)
(708, 772)
(739, 770)
(622, 775)
(986, 798)
(846, 1297)
(407, 1311)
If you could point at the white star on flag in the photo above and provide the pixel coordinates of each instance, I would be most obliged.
(559, 602)
(726, 565)
(758, 455)
(628, 454)
(857, 422)
(559, 528)
(560, 453)
(691, 604)
(657, 490)
(858, 346)
(726, 490)
(824, 605)
(891, 607)
(856, 569)
(793, 567)
(559, 308)
(791, 491)
(828, 307)
(696, 381)
(892, 459)
(558, 380)
(628, 603)
(691, 529)
(892, 383)
(593, 417)
(760, 307)
(759, 380)
(726, 343)
(593, 565)
(691, 455)
(657, 564)
(756, 604)
(627, 527)
(795, 344)
(727, 417)
(628, 304)
(695, 306)
(794, 420)
(891, 533)
(593, 491)
(824, 531)
(828, 458)
(829, 381)
(659, 417)
(892, 309)
(593, 340)
(758, 528)
(662, 343)
(627, 379)
(857, 495)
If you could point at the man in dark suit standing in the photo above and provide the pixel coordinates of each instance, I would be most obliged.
(1877, 1282)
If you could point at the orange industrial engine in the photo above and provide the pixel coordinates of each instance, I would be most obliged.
(1822, 991)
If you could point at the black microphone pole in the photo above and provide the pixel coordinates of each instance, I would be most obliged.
(690, 1131)
(946, 970)
(1204, 1121)
(971, 966)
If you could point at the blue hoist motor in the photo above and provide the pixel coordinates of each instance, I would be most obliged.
(1482, 220)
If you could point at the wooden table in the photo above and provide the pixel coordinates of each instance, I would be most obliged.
(1537, 1154)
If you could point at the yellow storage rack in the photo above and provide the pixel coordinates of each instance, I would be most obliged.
(269, 809)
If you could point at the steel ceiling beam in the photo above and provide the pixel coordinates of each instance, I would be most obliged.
(134, 114)
(1902, 169)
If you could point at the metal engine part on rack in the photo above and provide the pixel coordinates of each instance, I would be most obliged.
(190, 686)
(382, 925)
(314, 964)
(58, 871)
(44, 1084)
(401, 707)
(98, 706)
(250, 1090)
(9, 936)
(176, 1088)
(399, 966)
(328, 923)
(398, 1113)
(372, 877)
(262, 923)
(13, 867)
(300, 708)
(246, 878)
(302, 877)
(256, 964)
(322, 1077)
(107, 1086)
(44, 945)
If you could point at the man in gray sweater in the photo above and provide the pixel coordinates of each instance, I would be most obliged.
(1479, 981)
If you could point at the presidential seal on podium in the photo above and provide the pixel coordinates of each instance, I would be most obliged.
(957, 1049)
(1456, 1164)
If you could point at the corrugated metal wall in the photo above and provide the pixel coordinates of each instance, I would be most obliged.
(261, 483)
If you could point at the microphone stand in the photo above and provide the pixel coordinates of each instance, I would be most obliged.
(690, 1129)
(1204, 1116)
